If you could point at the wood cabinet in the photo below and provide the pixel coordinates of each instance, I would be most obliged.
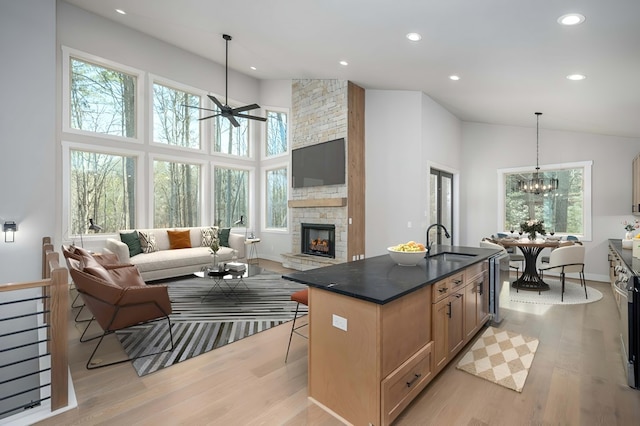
(369, 365)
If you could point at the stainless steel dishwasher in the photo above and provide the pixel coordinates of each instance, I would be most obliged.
(498, 277)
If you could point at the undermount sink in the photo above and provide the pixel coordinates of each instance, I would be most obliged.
(452, 257)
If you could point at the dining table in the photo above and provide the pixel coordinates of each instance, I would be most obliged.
(530, 279)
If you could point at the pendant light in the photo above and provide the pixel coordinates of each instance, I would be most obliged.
(538, 184)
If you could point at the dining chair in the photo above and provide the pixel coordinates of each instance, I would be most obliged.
(301, 296)
(567, 259)
(513, 255)
(568, 242)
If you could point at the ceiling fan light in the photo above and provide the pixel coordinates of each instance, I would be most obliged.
(571, 19)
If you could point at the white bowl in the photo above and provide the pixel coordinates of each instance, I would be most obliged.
(406, 258)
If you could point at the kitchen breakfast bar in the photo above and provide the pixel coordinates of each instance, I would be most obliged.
(380, 332)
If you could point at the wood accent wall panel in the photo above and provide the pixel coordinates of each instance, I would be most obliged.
(318, 202)
(355, 172)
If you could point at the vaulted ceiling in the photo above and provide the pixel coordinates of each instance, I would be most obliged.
(512, 56)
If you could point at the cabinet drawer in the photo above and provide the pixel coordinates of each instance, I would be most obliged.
(440, 290)
(403, 384)
(457, 282)
(475, 270)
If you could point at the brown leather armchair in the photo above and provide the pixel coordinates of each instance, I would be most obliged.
(118, 298)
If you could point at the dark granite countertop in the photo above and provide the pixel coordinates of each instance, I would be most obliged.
(627, 256)
(379, 280)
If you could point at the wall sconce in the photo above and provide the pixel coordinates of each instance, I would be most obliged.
(9, 228)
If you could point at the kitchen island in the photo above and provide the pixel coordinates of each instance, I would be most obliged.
(379, 332)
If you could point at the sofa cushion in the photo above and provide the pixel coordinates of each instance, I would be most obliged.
(209, 235)
(223, 236)
(179, 239)
(132, 240)
(147, 241)
(168, 259)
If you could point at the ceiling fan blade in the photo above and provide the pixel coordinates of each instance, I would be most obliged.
(246, 108)
(252, 117)
(215, 101)
(206, 109)
(211, 116)
(233, 121)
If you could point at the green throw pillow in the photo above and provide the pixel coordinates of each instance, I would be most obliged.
(133, 241)
(223, 235)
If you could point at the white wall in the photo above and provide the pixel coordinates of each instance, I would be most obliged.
(487, 148)
(27, 120)
(405, 133)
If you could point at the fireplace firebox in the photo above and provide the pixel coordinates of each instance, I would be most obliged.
(318, 239)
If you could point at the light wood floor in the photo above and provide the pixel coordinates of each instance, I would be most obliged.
(576, 379)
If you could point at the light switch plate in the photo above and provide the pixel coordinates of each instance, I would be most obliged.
(339, 322)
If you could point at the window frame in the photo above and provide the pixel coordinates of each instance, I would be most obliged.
(67, 147)
(67, 54)
(250, 221)
(265, 133)
(250, 130)
(205, 125)
(587, 217)
(263, 203)
(151, 202)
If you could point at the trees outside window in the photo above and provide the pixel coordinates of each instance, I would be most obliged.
(231, 140)
(567, 211)
(173, 122)
(101, 99)
(231, 189)
(102, 188)
(277, 128)
(176, 194)
(276, 198)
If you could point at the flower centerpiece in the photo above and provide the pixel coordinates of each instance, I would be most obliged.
(630, 227)
(213, 248)
(532, 226)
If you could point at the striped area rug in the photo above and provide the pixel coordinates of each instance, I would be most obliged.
(202, 321)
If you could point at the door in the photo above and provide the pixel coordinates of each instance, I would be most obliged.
(441, 205)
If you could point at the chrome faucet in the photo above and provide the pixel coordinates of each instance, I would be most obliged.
(428, 245)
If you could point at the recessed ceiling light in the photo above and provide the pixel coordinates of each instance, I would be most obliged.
(414, 36)
(571, 19)
(344, 63)
(253, 68)
(121, 12)
(454, 77)
(576, 77)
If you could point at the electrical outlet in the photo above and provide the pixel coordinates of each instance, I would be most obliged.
(339, 322)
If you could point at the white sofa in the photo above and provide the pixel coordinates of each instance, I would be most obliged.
(167, 263)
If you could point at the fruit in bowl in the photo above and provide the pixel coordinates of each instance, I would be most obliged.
(407, 254)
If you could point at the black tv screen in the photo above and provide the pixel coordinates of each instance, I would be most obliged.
(319, 164)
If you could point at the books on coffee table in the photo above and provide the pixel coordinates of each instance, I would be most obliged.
(236, 266)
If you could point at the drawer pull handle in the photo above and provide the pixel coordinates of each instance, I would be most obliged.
(457, 281)
(458, 295)
(412, 381)
(443, 289)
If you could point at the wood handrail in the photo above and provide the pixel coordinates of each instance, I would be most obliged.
(54, 283)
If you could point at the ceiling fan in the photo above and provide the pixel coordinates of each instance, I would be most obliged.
(225, 110)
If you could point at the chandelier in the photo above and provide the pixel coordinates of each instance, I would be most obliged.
(538, 184)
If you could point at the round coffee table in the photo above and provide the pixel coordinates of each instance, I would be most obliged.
(228, 278)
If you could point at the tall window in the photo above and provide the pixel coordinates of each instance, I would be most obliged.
(276, 198)
(176, 194)
(231, 140)
(102, 100)
(102, 188)
(441, 205)
(565, 211)
(173, 122)
(231, 189)
(276, 141)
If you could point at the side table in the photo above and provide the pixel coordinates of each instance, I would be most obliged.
(252, 255)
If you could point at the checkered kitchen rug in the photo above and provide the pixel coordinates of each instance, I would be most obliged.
(501, 357)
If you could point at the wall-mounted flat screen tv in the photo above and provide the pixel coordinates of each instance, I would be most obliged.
(319, 164)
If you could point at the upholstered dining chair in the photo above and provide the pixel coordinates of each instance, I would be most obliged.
(568, 242)
(512, 264)
(514, 256)
(301, 296)
(567, 259)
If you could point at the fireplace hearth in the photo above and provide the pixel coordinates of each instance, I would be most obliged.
(318, 239)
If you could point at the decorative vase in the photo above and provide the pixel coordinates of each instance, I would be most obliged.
(628, 235)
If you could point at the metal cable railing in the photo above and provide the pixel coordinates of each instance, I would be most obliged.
(33, 343)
